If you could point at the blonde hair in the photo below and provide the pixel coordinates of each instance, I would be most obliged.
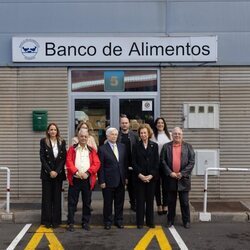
(146, 126)
(79, 126)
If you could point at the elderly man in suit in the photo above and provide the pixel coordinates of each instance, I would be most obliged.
(177, 161)
(112, 178)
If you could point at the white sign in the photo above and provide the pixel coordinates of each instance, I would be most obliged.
(147, 106)
(114, 49)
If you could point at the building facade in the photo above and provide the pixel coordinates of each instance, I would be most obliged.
(49, 61)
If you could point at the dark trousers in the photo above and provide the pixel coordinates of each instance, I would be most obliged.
(145, 202)
(51, 202)
(131, 187)
(117, 195)
(82, 186)
(161, 193)
(184, 204)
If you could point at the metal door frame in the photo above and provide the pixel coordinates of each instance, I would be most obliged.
(114, 105)
(114, 98)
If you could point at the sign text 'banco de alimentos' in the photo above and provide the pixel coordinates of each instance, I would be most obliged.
(114, 49)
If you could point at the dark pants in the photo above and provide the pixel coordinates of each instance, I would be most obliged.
(184, 204)
(82, 186)
(145, 202)
(161, 193)
(51, 202)
(131, 188)
(117, 195)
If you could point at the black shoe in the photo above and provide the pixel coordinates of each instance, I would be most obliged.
(70, 228)
(170, 224)
(160, 212)
(86, 227)
(133, 208)
(47, 225)
(151, 225)
(165, 210)
(186, 225)
(107, 227)
(119, 225)
(139, 226)
(55, 225)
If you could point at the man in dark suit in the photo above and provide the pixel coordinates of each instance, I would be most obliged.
(129, 138)
(177, 161)
(112, 178)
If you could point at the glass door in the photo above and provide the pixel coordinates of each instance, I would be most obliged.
(101, 95)
(138, 111)
(96, 112)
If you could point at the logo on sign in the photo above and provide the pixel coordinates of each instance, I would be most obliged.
(29, 48)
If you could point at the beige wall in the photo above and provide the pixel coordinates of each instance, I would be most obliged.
(230, 86)
(23, 90)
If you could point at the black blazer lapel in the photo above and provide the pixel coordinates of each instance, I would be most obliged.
(110, 150)
(50, 150)
(150, 148)
(120, 151)
(143, 150)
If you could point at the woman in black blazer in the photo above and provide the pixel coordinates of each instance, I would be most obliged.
(53, 157)
(145, 163)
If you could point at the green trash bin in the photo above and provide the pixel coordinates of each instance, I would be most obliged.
(40, 120)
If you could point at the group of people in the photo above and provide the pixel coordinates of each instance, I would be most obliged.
(152, 164)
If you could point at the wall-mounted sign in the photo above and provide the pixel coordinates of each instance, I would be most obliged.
(147, 105)
(114, 49)
(114, 81)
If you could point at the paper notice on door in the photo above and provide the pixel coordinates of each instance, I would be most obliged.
(147, 106)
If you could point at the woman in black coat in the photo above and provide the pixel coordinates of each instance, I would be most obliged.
(53, 157)
(145, 163)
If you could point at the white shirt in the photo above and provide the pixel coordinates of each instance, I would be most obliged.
(54, 148)
(161, 140)
(82, 162)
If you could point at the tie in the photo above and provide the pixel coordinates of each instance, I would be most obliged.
(115, 150)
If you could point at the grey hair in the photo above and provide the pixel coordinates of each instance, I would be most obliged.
(177, 128)
(110, 130)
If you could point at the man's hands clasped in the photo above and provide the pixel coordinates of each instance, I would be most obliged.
(176, 175)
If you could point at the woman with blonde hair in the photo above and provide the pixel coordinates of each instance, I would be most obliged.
(145, 163)
(91, 141)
